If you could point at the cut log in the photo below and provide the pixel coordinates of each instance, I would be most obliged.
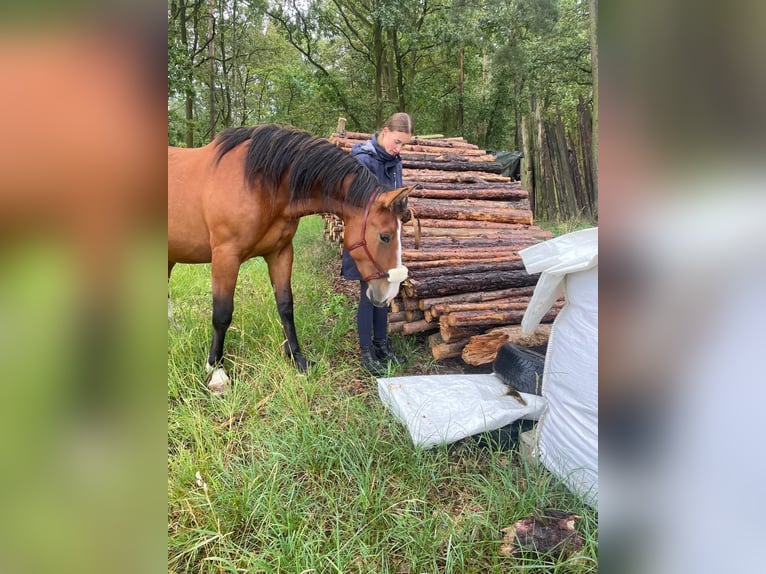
(440, 263)
(471, 210)
(442, 350)
(469, 187)
(498, 305)
(478, 318)
(483, 166)
(450, 334)
(466, 267)
(398, 316)
(408, 231)
(480, 193)
(533, 230)
(418, 327)
(348, 141)
(482, 349)
(514, 292)
(412, 176)
(396, 327)
(439, 243)
(438, 286)
(458, 253)
(415, 315)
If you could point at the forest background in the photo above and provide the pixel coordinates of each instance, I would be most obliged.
(505, 75)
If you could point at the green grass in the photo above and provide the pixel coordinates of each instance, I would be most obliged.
(562, 227)
(309, 473)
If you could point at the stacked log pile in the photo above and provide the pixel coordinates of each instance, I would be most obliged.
(465, 274)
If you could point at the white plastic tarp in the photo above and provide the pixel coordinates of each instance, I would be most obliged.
(567, 431)
(441, 409)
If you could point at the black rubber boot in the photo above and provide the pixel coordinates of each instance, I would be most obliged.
(383, 353)
(372, 364)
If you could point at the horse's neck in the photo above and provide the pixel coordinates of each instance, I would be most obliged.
(319, 204)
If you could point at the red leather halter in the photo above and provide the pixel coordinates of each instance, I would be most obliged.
(363, 243)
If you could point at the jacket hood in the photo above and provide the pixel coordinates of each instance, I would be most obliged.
(373, 148)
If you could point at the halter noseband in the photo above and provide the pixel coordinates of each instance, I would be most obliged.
(363, 243)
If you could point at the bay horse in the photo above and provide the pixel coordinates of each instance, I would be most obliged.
(242, 196)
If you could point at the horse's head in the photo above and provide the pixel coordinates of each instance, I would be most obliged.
(373, 238)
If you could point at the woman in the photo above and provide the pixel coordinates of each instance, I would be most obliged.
(380, 155)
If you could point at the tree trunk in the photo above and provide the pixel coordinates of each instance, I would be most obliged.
(594, 68)
(189, 90)
(460, 112)
(545, 182)
(527, 164)
(212, 69)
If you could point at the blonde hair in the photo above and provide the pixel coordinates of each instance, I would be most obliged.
(399, 122)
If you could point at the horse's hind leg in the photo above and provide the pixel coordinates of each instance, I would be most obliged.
(280, 270)
(225, 268)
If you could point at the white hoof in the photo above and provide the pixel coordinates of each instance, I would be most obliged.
(219, 382)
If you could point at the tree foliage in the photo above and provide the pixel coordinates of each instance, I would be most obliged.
(307, 62)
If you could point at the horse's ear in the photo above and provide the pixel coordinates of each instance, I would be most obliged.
(396, 199)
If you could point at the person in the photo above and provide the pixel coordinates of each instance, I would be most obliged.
(379, 154)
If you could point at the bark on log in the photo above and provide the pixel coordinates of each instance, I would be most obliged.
(515, 292)
(437, 286)
(483, 349)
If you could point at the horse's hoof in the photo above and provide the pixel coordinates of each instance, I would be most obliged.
(219, 382)
(302, 363)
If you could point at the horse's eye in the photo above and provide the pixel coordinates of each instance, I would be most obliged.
(385, 237)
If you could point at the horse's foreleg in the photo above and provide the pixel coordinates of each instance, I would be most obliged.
(225, 268)
(280, 270)
(170, 304)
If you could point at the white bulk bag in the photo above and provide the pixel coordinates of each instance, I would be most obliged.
(567, 431)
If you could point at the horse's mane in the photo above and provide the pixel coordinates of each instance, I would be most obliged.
(274, 150)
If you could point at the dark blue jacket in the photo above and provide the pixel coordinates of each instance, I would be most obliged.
(387, 169)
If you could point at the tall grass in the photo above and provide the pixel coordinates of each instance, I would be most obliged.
(309, 473)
